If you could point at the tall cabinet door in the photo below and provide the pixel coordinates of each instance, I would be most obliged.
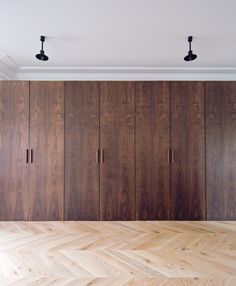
(221, 150)
(188, 156)
(46, 196)
(81, 151)
(152, 147)
(14, 141)
(117, 144)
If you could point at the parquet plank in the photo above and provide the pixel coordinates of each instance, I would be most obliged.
(118, 253)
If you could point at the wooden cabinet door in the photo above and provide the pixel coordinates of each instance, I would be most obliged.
(46, 196)
(14, 140)
(188, 145)
(221, 150)
(152, 146)
(117, 141)
(81, 151)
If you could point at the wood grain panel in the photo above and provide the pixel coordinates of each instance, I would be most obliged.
(152, 145)
(46, 196)
(188, 143)
(221, 150)
(14, 140)
(117, 140)
(81, 145)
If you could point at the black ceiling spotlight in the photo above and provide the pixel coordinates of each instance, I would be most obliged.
(190, 57)
(41, 56)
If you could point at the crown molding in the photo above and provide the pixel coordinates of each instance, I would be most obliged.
(125, 73)
(10, 70)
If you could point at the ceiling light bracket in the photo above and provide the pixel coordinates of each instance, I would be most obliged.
(190, 57)
(41, 56)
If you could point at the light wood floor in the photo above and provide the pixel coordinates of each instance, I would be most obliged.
(117, 253)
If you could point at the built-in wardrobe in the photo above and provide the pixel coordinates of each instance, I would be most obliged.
(117, 150)
(31, 150)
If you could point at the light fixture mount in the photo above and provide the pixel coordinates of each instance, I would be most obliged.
(190, 56)
(41, 56)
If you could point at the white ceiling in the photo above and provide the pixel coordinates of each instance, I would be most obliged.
(106, 36)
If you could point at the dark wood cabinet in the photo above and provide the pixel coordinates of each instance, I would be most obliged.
(46, 195)
(188, 151)
(221, 150)
(117, 150)
(117, 144)
(14, 141)
(152, 149)
(81, 151)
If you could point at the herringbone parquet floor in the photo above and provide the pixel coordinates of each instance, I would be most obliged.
(117, 253)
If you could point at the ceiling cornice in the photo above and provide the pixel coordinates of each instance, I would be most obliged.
(140, 73)
(10, 70)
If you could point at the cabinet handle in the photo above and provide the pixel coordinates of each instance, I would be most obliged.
(31, 156)
(102, 155)
(27, 156)
(168, 156)
(98, 156)
(172, 156)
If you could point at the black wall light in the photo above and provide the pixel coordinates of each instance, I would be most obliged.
(41, 56)
(190, 56)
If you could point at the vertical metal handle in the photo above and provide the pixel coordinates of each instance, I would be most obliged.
(27, 156)
(31, 156)
(172, 156)
(168, 156)
(98, 156)
(102, 155)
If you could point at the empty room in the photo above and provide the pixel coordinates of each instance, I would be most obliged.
(117, 143)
